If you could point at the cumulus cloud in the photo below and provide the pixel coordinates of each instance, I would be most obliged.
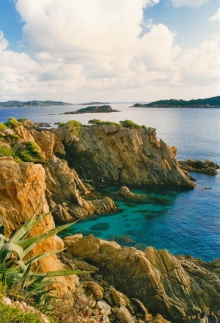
(95, 46)
(215, 17)
(189, 3)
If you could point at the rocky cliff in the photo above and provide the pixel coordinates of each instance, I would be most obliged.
(117, 154)
(154, 281)
(178, 288)
(22, 193)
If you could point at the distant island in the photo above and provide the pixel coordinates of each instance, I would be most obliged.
(34, 103)
(93, 109)
(172, 103)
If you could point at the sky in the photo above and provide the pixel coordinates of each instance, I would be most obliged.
(109, 50)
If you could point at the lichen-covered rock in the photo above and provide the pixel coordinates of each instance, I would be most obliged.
(175, 288)
(116, 154)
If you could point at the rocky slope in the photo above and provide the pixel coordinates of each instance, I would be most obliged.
(116, 154)
(178, 288)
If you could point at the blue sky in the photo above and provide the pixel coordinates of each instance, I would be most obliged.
(136, 50)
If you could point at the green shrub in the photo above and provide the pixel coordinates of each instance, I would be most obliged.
(6, 151)
(129, 124)
(29, 152)
(99, 122)
(2, 126)
(74, 123)
(12, 123)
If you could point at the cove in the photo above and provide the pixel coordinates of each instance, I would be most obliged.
(182, 221)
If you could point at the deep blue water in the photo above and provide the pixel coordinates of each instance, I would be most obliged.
(182, 221)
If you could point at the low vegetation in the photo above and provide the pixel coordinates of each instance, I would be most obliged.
(73, 125)
(2, 126)
(29, 152)
(12, 123)
(130, 124)
(100, 122)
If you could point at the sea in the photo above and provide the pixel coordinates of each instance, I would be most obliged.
(179, 220)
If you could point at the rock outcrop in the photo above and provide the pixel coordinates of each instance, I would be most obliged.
(64, 188)
(116, 154)
(207, 167)
(177, 288)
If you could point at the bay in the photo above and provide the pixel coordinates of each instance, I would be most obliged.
(183, 221)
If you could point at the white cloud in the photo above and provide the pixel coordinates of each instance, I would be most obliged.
(189, 3)
(93, 46)
(215, 17)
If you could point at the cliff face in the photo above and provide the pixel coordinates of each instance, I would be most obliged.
(22, 192)
(116, 154)
(176, 288)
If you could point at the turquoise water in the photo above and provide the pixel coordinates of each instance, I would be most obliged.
(182, 221)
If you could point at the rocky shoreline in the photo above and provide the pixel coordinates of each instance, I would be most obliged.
(124, 285)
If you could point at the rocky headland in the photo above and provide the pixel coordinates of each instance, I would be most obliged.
(57, 170)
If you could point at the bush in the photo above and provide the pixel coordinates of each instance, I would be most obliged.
(29, 152)
(6, 151)
(12, 123)
(2, 126)
(129, 124)
(99, 122)
(74, 123)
